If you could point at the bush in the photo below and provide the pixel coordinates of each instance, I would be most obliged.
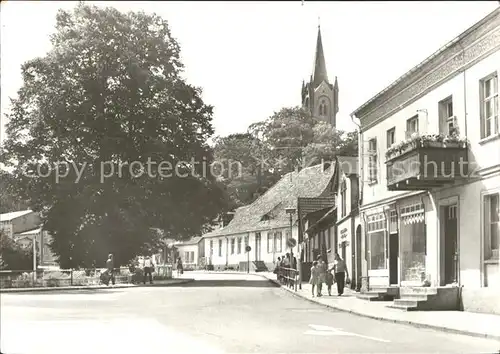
(210, 267)
(57, 278)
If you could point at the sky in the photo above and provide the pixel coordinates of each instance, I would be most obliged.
(250, 57)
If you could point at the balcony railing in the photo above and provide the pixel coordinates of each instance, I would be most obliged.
(426, 162)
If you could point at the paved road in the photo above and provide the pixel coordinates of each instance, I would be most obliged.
(216, 314)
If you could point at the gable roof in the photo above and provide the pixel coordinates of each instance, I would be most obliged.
(308, 183)
(13, 215)
(193, 241)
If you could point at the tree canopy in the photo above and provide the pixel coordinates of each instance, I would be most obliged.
(106, 139)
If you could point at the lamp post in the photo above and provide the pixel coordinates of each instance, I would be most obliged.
(291, 242)
(34, 259)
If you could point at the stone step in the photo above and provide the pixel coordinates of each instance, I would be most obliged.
(369, 297)
(404, 302)
(402, 307)
(414, 297)
(417, 290)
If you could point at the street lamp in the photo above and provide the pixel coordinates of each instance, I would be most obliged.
(291, 242)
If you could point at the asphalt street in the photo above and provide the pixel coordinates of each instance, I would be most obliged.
(218, 313)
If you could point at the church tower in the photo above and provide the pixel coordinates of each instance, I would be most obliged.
(319, 96)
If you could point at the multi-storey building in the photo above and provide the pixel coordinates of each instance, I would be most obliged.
(430, 172)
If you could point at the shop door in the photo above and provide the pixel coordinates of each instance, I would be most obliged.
(450, 244)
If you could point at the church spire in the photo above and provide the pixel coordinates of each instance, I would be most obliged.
(319, 71)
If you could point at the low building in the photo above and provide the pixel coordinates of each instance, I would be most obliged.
(24, 227)
(17, 222)
(430, 172)
(268, 223)
(191, 252)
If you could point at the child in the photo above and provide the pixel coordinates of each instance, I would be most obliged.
(329, 281)
(314, 281)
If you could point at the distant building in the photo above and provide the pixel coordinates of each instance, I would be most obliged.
(24, 227)
(191, 252)
(319, 96)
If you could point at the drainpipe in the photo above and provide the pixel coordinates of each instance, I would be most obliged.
(227, 251)
(361, 160)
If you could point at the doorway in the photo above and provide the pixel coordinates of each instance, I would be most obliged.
(450, 238)
(393, 258)
(257, 246)
(358, 256)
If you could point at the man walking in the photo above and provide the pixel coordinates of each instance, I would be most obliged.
(110, 268)
(148, 270)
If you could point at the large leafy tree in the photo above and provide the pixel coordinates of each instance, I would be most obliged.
(109, 99)
(8, 199)
(289, 139)
(245, 172)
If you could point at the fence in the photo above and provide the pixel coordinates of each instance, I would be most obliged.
(73, 277)
(288, 276)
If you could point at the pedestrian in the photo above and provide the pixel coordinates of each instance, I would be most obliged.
(180, 269)
(314, 276)
(110, 268)
(148, 270)
(341, 273)
(329, 280)
(277, 269)
(322, 275)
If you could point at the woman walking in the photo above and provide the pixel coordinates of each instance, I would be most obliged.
(180, 269)
(322, 274)
(341, 273)
(314, 276)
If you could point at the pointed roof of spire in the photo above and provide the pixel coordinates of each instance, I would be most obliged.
(319, 71)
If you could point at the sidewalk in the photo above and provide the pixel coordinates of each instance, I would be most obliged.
(469, 323)
(158, 283)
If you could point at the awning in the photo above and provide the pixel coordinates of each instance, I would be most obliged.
(326, 220)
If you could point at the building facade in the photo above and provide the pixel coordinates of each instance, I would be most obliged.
(430, 172)
(191, 252)
(348, 226)
(319, 96)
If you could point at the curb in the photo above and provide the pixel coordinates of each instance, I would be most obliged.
(100, 287)
(411, 323)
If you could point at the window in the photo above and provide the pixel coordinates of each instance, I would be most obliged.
(239, 245)
(372, 161)
(323, 108)
(491, 226)
(411, 126)
(447, 120)
(233, 241)
(211, 247)
(343, 198)
(246, 241)
(489, 106)
(186, 257)
(391, 137)
(376, 238)
(278, 241)
(220, 248)
(270, 241)
(328, 239)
